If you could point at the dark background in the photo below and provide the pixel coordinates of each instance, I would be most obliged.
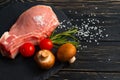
(96, 62)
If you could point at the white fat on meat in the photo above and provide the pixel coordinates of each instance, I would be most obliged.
(33, 25)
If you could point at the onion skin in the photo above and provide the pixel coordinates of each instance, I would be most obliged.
(45, 59)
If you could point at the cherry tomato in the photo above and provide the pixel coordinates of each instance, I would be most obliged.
(46, 44)
(27, 49)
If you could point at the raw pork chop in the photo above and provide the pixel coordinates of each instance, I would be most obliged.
(33, 25)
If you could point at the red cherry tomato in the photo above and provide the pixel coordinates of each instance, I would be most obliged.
(46, 44)
(27, 50)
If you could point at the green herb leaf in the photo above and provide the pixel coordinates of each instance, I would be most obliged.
(65, 37)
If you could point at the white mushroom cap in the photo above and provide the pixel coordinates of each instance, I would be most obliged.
(45, 59)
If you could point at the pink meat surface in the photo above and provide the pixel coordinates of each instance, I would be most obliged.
(33, 25)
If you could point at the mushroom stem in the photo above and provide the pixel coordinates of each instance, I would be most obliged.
(43, 55)
(72, 60)
(45, 59)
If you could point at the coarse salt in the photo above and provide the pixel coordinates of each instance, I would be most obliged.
(87, 28)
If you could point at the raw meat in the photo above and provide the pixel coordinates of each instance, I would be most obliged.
(32, 25)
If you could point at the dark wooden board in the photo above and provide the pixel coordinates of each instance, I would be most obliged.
(26, 69)
(85, 76)
(96, 62)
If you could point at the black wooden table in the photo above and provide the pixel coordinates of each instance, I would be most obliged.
(96, 61)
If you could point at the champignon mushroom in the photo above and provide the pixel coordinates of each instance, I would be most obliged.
(45, 59)
(66, 52)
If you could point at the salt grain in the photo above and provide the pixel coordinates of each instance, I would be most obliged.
(86, 26)
(88, 31)
(81, 14)
(96, 7)
(106, 35)
(77, 19)
(104, 29)
(64, 20)
(81, 19)
(86, 34)
(109, 59)
(98, 21)
(69, 11)
(90, 41)
(94, 14)
(98, 43)
(76, 12)
(95, 40)
(71, 19)
(85, 46)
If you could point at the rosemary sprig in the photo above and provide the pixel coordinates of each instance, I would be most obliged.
(65, 37)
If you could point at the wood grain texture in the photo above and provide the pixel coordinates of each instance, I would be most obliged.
(85, 76)
(96, 62)
(100, 62)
